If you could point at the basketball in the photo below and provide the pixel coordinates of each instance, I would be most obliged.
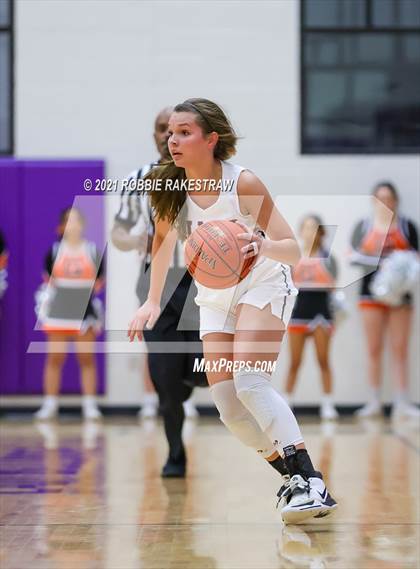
(213, 255)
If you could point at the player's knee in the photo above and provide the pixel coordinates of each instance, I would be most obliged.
(86, 359)
(226, 401)
(56, 359)
(324, 364)
(251, 389)
(294, 366)
(236, 417)
(375, 350)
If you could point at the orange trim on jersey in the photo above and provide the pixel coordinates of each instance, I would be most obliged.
(363, 304)
(298, 328)
(50, 329)
(306, 328)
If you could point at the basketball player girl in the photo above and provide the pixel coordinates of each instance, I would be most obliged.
(67, 311)
(372, 240)
(245, 323)
(315, 276)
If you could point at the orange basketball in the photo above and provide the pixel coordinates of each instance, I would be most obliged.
(213, 255)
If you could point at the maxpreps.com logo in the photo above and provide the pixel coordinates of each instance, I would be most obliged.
(201, 365)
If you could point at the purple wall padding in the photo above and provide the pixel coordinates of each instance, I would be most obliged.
(11, 361)
(41, 190)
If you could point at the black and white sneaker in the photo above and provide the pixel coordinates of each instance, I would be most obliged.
(302, 499)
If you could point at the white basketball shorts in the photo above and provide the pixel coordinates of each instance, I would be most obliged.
(268, 282)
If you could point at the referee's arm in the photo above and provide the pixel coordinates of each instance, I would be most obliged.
(126, 218)
(122, 240)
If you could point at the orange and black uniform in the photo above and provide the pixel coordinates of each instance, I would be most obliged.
(370, 246)
(73, 275)
(3, 265)
(315, 277)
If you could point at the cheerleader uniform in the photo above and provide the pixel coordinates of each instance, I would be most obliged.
(314, 277)
(3, 265)
(269, 282)
(65, 303)
(370, 246)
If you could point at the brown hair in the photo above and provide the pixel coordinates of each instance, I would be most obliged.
(210, 118)
(320, 231)
(389, 186)
(64, 214)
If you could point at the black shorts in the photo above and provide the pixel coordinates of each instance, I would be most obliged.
(312, 309)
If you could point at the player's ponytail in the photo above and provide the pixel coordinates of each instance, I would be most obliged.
(211, 118)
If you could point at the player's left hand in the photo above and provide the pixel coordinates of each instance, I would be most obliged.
(254, 243)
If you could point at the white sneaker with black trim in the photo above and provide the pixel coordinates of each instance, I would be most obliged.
(304, 499)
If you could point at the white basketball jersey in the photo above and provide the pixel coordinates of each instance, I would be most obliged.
(227, 207)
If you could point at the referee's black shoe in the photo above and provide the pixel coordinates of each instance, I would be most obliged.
(174, 468)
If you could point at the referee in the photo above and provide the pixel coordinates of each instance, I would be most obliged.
(171, 373)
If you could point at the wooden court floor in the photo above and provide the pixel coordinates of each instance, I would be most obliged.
(75, 497)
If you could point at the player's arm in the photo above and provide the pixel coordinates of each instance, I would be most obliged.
(255, 199)
(164, 242)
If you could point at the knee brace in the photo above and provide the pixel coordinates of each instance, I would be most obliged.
(238, 419)
(268, 408)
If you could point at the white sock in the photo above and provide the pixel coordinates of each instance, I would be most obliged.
(150, 399)
(401, 396)
(50, 401)
(89, 401)
(327, 399)
(375, 393)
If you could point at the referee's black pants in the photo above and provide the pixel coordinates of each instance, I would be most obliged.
(173, 376)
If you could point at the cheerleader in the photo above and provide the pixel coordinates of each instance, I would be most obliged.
(242, 321)
(315, 276)
(67, 312)
(4, 256)
(373, 240)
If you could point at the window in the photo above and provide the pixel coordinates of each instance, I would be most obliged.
(360, 76)
(6, 77)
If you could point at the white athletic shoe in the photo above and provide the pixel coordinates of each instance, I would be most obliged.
(91, 413)
(328, 412)
(404, 409)
(370, 409)
(47, 412)
(190, 409)
(304, 499)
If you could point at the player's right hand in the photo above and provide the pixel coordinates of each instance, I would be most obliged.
(146, 315)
